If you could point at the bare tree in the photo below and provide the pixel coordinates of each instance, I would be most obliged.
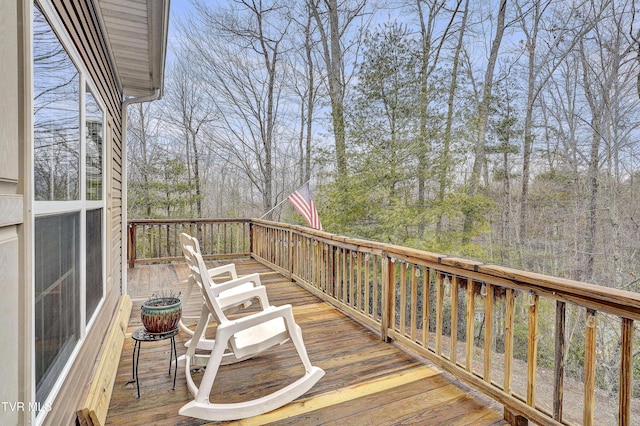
(306, 84)
(562, 35)
(333, 20)
(429, 14)
(600, 72)
(140, 157)
(445, 156)
(186, 97)
(483, 115)
(241, 59)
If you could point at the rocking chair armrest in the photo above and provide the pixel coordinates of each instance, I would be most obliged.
(239, 298)
(229, 268)
(227, 285)
(272, 312)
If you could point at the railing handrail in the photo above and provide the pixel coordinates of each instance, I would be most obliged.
(131, 222)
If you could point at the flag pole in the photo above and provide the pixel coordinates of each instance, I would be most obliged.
(284, 199)
(274, 207)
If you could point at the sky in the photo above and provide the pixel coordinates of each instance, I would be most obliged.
(178, 10)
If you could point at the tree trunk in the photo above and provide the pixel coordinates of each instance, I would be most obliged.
(145, 160)
(310, 101)
(445, 156)
(483, 117)
(196, 172)
(332, 53)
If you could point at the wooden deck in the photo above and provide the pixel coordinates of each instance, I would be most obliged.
(367, 381)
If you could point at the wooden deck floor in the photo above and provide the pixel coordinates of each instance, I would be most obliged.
(366, 382)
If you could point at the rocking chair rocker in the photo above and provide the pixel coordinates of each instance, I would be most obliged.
(244, 338)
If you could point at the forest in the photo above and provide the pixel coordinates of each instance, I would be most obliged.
(506, 131)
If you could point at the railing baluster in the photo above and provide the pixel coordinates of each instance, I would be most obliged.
(344, 276)
(338, 274)
(204, 245)
(626, 372)
(332, 269)
(392, 295)
(144, 242)
(532, 356)
(510, 304)
(453, 355)
(589, 368)
(439, 300)
(153, 248)
(367, 279)
(242, 235)
(215, 229)
(403, 299)
(558, 380)
(168, 247)
(388, 283)
(291, 255)
(324, 258)
(488, 330)
(318, 264)
(359, 283)
(426, 288)
(133, 245)
(470, 324)
(414, 302)
(351, 279)
(218, 239)
(376, 293)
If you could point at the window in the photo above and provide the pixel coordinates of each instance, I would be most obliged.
(56, 117)
(57, 282)
(68, 170)
(94, 129)
(94, 261)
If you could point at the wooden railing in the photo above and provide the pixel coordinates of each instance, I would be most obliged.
(156, 240)
(536, 344)
(480, 322)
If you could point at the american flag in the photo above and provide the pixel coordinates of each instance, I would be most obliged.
(302, 202)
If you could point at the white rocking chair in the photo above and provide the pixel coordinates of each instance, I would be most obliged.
(244, 338)
(231, 293)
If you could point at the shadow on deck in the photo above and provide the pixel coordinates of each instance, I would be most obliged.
(366, 382)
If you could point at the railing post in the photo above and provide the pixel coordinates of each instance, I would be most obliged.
(388, 271)
(132, 245)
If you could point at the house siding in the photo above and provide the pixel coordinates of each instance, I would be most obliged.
(78, 23)
(12, 373)
(16, 235)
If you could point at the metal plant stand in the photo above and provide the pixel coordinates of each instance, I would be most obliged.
(142, 335)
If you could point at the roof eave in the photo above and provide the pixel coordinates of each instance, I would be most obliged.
(143, 76)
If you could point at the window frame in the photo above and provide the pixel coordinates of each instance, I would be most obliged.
(82, 205)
